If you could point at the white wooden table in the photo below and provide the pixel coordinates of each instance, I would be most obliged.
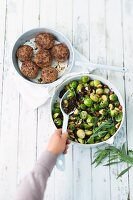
(103, 31)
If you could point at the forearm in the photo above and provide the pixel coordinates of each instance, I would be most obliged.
(34, 185)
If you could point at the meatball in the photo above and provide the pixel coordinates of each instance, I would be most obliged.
(24, 53)
(29, 69)
(43, 59)
(45, 40)
(49, 75)
(60, 52)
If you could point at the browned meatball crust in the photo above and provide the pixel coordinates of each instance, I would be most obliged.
(24, 53)
(45, 40)
(29, 69)
(43, 59)
(60, 52)
(49, 75)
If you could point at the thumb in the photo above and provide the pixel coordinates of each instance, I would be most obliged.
(64, 136)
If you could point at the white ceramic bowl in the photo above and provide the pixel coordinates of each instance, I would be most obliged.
(104, 81)
(32, 34)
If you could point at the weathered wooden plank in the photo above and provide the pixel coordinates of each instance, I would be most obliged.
(127, 8)
(2, 49)
(100, 175)
(81, 157)
(119, 187)
(45, 128)
(47, 13)
(27, 118)
(10, 107)
(63, 180)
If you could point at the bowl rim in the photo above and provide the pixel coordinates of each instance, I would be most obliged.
(43, 29)
(78, 75)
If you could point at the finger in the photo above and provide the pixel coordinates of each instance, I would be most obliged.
(68, 141)
(64, 136)
(58, 131)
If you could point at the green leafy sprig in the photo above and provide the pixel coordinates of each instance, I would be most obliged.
(115, 155)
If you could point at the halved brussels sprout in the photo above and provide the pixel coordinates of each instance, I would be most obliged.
(99, 91)
(88, 132)
(113, 97)
(88, 102)
(113, 113)
(81, 134)
(81, 141)
(58, 122)
(94, 97)
(83, 115)
(106, 137)
(97, 83)
(118, 117)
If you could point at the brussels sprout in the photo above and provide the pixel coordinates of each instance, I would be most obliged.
(58, 122)
(79, 88)
(106, 137)
(56, 115)
(118, 117)
(85, 79)
(104, 104)
(104, 97)
(57, 105)
(96, 107)
(113, 97)
(81, 141)
(86, 126)
(106, 91)
(91, 83)
(90, 140)
(72, 127)
(81, 133)
(90, 124)
(94, 97)
(73, 84)
(92, 110)
(76, 112)
(89, 119)
(96, 83)
(83, 106)
(88, 102)
(83, 115)
(56, 110)
(88, 132)
(113, 113)
(99, 91)
(71, 94)
(117, 103)
(111, 106)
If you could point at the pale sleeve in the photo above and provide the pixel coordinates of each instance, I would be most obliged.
(33, 185)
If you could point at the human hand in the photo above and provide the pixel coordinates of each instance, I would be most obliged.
(58, 143)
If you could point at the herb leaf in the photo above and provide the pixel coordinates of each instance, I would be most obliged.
(115, 155)
(123, 172)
